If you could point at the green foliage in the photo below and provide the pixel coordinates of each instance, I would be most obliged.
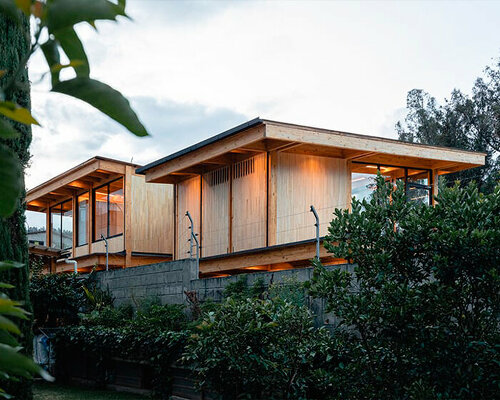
(12, 362)
(257, 349)
(57, 299)
(12, 186)
(289, 290)
(421, 309)
(465, 122)
(240, 289)
(153, 334)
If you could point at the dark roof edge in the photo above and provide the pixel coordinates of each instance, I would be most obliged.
(196, 146)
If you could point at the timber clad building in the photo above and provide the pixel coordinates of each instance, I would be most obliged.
(103, 198)
(248, 191)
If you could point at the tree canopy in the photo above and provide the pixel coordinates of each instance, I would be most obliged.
(469, 122)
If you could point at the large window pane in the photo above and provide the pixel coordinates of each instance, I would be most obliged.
(61, 225)
(101, 212)
(37, 229)
(67, 225)
(83, 209)
(116, 203)
(55, 227)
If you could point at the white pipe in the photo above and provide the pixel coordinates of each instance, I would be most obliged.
(75, 264)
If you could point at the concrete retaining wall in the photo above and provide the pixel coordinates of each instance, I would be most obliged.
(168, 281)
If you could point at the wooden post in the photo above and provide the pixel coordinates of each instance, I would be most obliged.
(272, 221)
(74, 206)
(47, 227)
(127, 192)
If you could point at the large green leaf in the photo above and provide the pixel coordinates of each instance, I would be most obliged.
(73, 47)
(11, 182)
(16, 113)
(6, 265)
(105, 99)
(51, 52)
(12, 362)
(7, 131)
(66, 13)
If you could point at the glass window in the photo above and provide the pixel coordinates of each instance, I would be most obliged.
(116, 208)
(37, 230)
(83, 210)
(101, 212)
(416, 181)
(55, 227)
(109, 210)
(61, 225)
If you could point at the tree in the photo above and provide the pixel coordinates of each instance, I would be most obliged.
(465, 122)
(55, 20)
(422, 306)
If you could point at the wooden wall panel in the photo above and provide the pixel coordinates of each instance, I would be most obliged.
(302, 181)
(116, 244)
(249, 203)
(188, 199)
(215, 212)
(152, 208)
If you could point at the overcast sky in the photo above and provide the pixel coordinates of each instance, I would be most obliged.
(194, 69)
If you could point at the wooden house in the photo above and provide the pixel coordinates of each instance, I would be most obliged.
(103, 200)
(249, 190)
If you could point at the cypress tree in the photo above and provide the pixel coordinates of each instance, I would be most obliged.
(14, 45)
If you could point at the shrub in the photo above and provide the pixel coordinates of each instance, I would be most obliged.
(257, 349)
(57, 298)
(421, 310)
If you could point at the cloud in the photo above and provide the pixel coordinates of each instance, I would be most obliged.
(73, 132)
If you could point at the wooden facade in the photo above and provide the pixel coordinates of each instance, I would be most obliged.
(249, 190)
(104, 197)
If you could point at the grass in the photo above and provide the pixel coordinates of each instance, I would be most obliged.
(44, 391)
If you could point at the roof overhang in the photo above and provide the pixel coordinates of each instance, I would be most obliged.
(261, 135)
(80, 178)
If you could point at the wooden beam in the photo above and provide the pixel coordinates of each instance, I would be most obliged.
(285, 254)
(209, 151)
(369, 144)
(62, 180)
(128, 215)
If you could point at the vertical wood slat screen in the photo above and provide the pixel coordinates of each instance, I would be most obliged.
(249, 204)
(215, 212)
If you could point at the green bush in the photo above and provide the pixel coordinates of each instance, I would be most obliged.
(57, 299)
(257, 349)
(421, 310)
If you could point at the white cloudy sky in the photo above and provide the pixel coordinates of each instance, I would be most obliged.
(194, 69)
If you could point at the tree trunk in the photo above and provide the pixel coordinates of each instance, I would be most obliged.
(14, 44)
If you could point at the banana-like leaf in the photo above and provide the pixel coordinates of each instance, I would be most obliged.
(8, 339)
(11, 182)
(6, 265)
(9, 326)
(51, 52)
(16, 113)
(105, 99)
(73, 47)
(62, 14)
(13, 362)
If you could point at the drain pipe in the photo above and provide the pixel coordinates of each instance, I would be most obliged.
(75, 264)
(313, 210)
(107, 253)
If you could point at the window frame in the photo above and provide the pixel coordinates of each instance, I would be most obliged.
(94, 239)
(77, 236)
(70, 200)
(407, 184)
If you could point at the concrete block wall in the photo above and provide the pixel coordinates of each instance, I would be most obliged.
(168, 281)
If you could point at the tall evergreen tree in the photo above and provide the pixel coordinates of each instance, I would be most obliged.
(14, 45)
(465, 122)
